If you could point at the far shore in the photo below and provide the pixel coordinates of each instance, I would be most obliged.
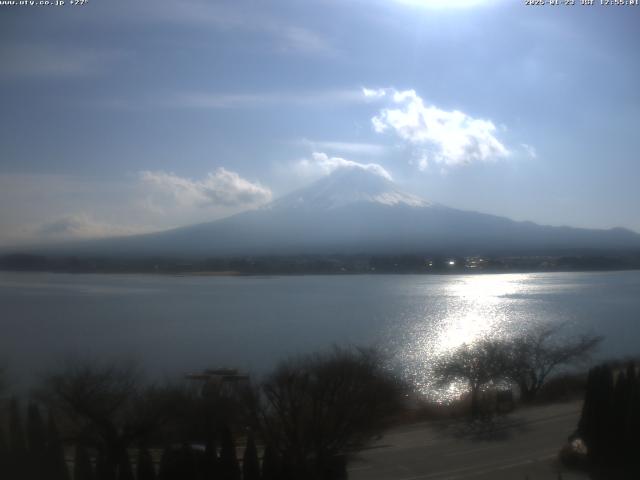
(237, 273)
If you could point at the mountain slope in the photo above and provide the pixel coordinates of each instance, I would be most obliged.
(354, 210)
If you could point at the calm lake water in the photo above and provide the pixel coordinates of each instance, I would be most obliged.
(173, 325)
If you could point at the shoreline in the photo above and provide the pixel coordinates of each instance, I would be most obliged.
(236, 273)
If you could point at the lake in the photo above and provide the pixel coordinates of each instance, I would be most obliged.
(174, 324)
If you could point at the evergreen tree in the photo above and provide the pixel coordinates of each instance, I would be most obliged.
(177, 464)
(335, 468)
(270, 470)
(4, 456)
(610, 421)
(229, 468)
(586, 422)
(606, 432)
(210, 464)
(168, 467)
(37, 440)
(145, 469)
(17, 461)
(631, 373)
(250, 463)
(618, 418)
(187, 463)
(287, 469)
(16, 435)
(125, 472)
(632, 422)
(82, 469)
(105, 470)
(56, 463)
(596, 427)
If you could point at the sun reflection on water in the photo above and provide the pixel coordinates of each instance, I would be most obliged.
(478, 310)
(464, 310)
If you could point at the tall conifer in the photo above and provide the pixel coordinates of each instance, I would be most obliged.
(37, 441)
(82, 469)
(4, 456)
(250, 463)
(229, 468)
(17, 465)
(56, 463)
(270, 464)
(105, 469)
(145, 468)
(125, 472)
(210, 462)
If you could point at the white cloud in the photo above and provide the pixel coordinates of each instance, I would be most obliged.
(529, 150)
(219, 188)
(346, 147)
(374, 93)
(321, 164)
(448, 138)
(79, 226)
(209, 100)
(40, 208)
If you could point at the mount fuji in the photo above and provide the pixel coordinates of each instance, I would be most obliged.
(357, 210)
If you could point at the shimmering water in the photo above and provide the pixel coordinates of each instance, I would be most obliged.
(178, 324)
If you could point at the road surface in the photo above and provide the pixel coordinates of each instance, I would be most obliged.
(522, 445)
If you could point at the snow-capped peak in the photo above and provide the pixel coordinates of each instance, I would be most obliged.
(347, 186)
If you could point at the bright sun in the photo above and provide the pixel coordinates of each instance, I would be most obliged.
(444, 3)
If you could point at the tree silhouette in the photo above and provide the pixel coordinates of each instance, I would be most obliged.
(317, 407)
(270, 470)
(250, 463)
(209, 462)
(110, 406)
(4, 455)
(105, 468)
(37, 440)
(125, 472)
(56, 464)
(607, 425)
(168, 467)
(479, 364)
(145, 469)
(82, 469)
(18, 466)
(536, 354)
(229, 468)
(177, 464)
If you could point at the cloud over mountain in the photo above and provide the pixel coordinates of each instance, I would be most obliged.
(219, 188)
(447, 138)
(321, 164)
(79, 226)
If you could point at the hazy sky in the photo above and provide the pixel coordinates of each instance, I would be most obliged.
(125, 116)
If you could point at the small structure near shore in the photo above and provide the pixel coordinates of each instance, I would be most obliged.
(224, 380)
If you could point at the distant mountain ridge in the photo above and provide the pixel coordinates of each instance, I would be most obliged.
(357, 211)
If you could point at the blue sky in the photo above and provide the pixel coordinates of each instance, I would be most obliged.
(120, 117)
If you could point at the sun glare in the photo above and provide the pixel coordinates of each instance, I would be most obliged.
(478, 314)
(442, 4)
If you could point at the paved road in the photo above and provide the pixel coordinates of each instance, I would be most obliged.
(522, 445)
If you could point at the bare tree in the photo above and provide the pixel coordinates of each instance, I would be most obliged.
(106, 406)
(527, 360)
(541, 351)
(477, 364)
(318, 407)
